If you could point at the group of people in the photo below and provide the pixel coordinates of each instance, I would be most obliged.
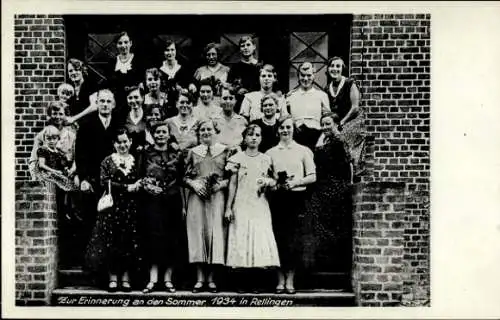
(212, 168)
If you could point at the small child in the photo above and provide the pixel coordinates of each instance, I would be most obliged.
(53, 165)
(65, 92)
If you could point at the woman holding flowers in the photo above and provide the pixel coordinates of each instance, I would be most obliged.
(251, 243)
(162, 208)
(204, 178)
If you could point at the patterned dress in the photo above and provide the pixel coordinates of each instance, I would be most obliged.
(114, 244)
(161, 214)
(251, 241)
(326, 231)
(204, 220)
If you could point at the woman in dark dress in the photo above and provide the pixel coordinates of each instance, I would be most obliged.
(344, 98)
(174, 76)
(327, 221)
(135, 120)
(125, 71)
(162, 208)
(268, 123)
(245, 73)
(113, 249)
(83, 101)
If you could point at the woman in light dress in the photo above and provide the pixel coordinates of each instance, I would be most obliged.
(204, 202)
(251, 242)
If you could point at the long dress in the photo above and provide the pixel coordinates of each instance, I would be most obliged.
(251, 241)
(114, 243)
(326, 233)
(353, 131)
(162, 223)
(204, 220)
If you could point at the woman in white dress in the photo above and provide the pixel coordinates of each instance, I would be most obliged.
(251, 242)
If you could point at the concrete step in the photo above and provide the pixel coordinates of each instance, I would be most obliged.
(75, 277)
(91, 297)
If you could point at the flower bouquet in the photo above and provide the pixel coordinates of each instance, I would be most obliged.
(210, 182)
(282, 180)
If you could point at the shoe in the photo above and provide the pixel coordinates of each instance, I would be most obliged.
(113, 286)
(169, 287)
(150, 287)
(212, 287)
(280, 289)
(126, 286)
(290, 290)
(197, 287)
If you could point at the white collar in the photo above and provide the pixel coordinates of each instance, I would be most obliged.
(215, 149)
(341, 84)
(302, 91)
(135, 120)
(266, 122)
(214, 69)
(123, 67)
(321, 140)
(189, 123)
(170, 71)
(105, 121)
(124, 164)
(289, 146)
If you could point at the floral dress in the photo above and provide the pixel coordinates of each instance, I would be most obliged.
(114, 243)
(204, 220)
(251, 241)
(161, 210)
(326, 232)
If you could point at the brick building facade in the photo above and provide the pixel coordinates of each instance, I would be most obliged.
(390, 57)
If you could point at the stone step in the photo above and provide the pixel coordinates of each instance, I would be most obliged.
(183, 278)
(89, 297)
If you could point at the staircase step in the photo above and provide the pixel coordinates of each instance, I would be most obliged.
(87, 297)
(73, 277)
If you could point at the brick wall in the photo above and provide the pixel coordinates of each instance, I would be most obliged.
(390, 56)
(378, 246)
(36, 242)
(39, 62)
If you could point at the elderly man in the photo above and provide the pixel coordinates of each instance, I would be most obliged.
(306, 105)
(94, 141)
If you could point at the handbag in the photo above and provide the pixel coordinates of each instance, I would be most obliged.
(106, 200)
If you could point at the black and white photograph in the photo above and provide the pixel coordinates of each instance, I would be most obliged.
(222, 159)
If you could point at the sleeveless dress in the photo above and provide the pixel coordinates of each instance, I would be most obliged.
(353, 132)
(251, 241)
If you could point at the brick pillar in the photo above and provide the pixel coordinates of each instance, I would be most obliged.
(36, 242)
(390, 57)
(39, 61)
(378, 243)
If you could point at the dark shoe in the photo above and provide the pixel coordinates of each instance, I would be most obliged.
(169, 287)
(279, 289)
(197, 287)
(212, 287)
(150, 287)
(113, 286)
(126, 286)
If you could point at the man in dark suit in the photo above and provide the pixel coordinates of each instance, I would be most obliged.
(94, 142)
